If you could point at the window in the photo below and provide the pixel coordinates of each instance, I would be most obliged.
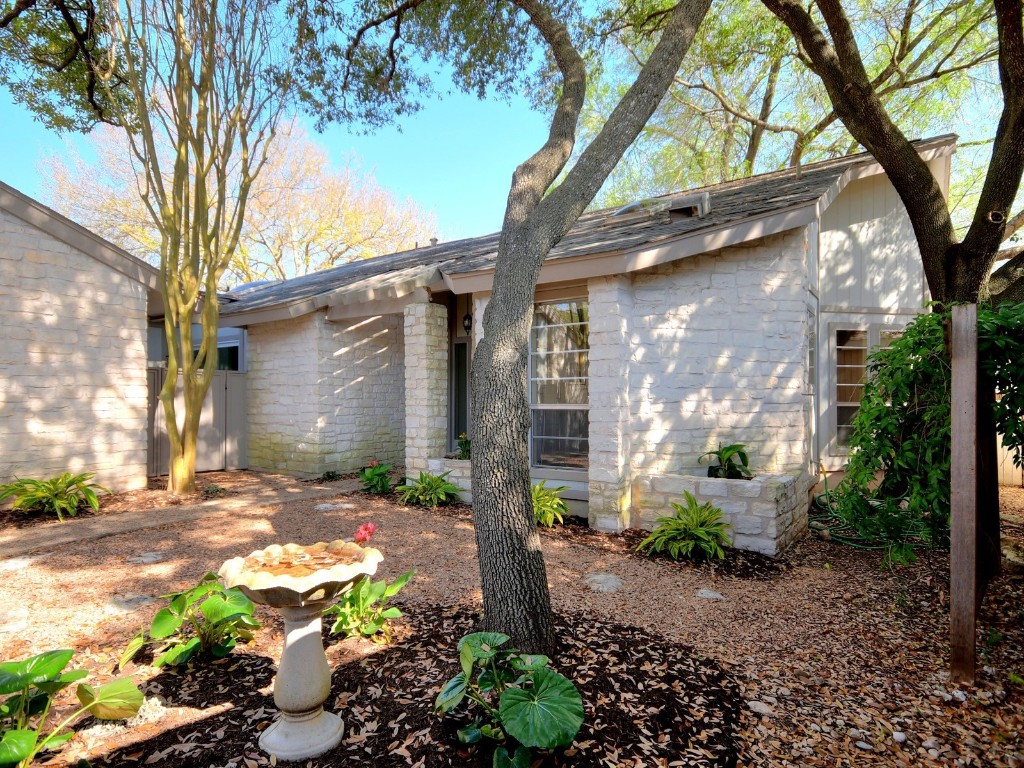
(852, 350)
(559, 385)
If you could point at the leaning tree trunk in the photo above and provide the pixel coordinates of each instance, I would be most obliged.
(514, 580)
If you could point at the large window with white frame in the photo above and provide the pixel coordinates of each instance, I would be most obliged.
(559, 385)
(851, 348)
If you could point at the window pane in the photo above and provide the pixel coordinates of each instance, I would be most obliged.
(559, 392)
(560, 438)
(557, 365)
(561, 312)
(560, 338)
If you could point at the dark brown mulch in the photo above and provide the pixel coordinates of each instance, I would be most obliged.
(647, 702)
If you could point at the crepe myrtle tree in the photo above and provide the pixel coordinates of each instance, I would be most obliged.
(204, 104)
(957, 269)
(361, 67)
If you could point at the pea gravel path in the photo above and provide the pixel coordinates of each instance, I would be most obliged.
(839, 661)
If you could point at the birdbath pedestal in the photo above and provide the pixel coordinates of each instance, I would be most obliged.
(300, 582)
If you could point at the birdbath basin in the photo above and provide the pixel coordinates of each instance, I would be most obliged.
(300, 582)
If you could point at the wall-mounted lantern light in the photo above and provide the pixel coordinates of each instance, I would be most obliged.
(467, 323)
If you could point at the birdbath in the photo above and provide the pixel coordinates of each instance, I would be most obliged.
(300, 582)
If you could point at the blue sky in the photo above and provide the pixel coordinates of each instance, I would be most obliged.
(455, 157)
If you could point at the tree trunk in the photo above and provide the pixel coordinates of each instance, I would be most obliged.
(512, 572)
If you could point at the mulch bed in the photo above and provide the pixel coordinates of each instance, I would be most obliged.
(647, 702)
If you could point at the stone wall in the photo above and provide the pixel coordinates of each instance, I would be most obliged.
(766, 514)
(719, 347)
(611, 308)
(72, 362)
(426, 384)
(326, 396)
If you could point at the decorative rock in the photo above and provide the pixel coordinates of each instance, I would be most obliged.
(864, 745)
(128, 602)
(603, 582)
(145, 558)
(332, 507)
(899, 737)
(855, 733)
(17, 563)
(710, 594)
(13, 619)
(760, 708)
(959, 695)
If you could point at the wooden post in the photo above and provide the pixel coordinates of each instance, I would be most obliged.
(963, 556)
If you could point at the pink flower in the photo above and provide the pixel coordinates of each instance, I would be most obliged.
(373, 463)
(365, 531)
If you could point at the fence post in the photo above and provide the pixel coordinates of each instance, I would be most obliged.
(963, 556)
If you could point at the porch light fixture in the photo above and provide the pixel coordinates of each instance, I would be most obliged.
(467, 323)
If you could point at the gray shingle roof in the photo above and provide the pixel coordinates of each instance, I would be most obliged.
(595, 233)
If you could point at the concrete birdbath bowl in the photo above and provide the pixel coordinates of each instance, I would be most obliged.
(300, 582)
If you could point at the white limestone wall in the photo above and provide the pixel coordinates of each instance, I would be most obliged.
(719, 356)
(72, 362)
(326, 396)
(283, 403)
(426, 385)
(612, 309)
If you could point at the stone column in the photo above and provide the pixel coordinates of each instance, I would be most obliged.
(609, 482)
(426, 384)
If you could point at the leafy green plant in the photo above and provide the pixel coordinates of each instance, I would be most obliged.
(30, 686)
(465, 447)
(59, 496)
(330, 476)
(375, 478)
(733, 463)
(204, 621)
(520, 698)
(428, 490)
(695, 531)
(363, 610)
(897, 482)
(213, 491)
(548, 505)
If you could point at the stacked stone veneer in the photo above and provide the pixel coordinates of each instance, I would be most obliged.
(692, 354)
(426, 384)
(326, 396)
(766, 514)
(459, 472)
(72, 362)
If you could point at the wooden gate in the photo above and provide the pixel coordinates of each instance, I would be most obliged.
(223, 429)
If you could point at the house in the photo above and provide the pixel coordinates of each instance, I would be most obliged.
(73, 319)
(739, 313)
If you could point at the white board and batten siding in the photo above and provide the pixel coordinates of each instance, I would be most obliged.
(871, 279)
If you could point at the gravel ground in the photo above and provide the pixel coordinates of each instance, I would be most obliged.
(838, 660)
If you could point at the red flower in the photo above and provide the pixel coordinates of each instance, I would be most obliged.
(373, 463)
(365, 531)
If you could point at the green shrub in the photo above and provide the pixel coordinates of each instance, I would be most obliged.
(330, 476)
(58, 496)
(695, 531)
(897, 483)
(204, 621)
(733, 463)
(30, 686)
(519, 696)
(375, 478)
(364, 609)
(428, 490)
(548, 506)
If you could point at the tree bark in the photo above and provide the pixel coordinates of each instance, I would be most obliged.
(513, 576)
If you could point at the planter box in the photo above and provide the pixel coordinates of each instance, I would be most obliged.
(767, 513)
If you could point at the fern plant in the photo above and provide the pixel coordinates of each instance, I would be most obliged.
(59, 496)
(548, 506)
(428, 490)
(696, 531)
